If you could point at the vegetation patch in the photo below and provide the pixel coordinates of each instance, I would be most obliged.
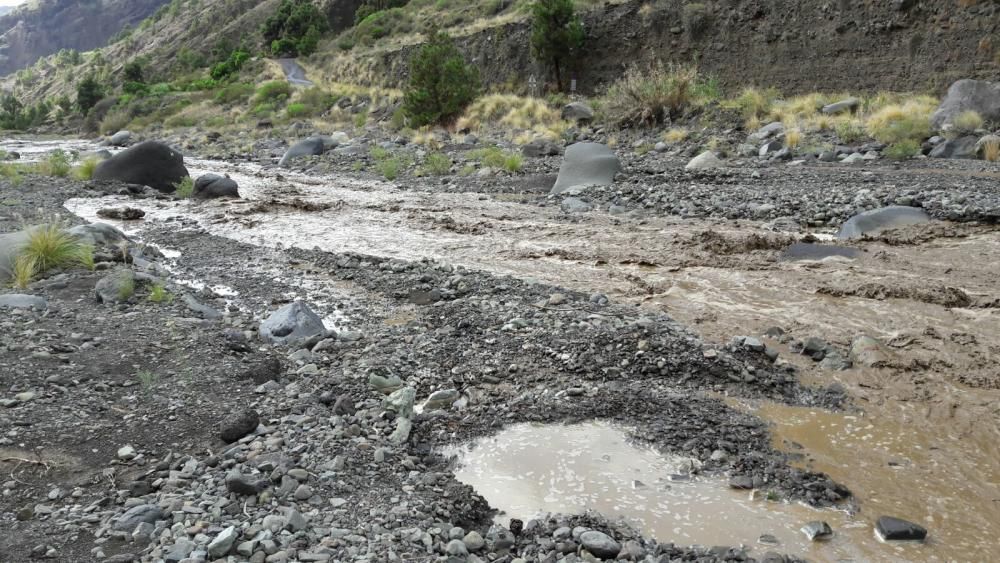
(441, 83)
(499, 159)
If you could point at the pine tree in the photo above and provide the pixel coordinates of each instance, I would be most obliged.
(556, 34)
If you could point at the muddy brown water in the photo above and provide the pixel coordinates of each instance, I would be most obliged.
(925, 447)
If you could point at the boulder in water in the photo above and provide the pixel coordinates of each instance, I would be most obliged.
(895, 529)
(881, 219)
(817, 531)
(586, 164)
(968, 95)
(151, 163)
(209, 186)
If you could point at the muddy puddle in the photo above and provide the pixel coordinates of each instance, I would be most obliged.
(937, 400)
(529, 470)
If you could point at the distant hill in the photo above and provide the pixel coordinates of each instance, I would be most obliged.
(43, 27)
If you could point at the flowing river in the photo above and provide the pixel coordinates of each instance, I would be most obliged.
(925, 446)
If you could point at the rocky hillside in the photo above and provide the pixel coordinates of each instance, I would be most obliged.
(850, 45)
(856, 45)
(44, 27)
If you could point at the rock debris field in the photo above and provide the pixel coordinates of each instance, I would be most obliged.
(197, 398)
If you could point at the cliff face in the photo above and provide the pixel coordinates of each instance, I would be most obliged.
(46, 26)
(859, 45)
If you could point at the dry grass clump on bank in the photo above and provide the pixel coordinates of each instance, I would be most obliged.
(646, 97)
(49, 247)
(517, 113)
(896, 122)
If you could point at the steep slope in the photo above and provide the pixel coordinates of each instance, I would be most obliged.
(44, 27)
(858, 45)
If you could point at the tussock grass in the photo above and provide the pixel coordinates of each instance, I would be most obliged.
(850, 130)
(56, 164)
(85, 170)
(388, 165)
(896, 122)
(115, 120)
(903, 150)
(126, 289)
(185, 188)
(793, 137)
(510, 112)
(12, 172)
(437, 164)
(991, 150)
(753, 103)
(676, 135)
(495, 157)
(426, 138)
(967, 122)
(85, 256)
(647, 97)
(51, 247)
(25, 268)
(159, 294)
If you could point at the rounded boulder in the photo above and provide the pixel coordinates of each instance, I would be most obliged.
(211, 186)
(151, 163)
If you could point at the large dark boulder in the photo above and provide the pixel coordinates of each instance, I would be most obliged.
(586, 164)
(151, 163)
(962, 147)
(210, 186)
(294, 324)
(876, 220)
(895, 529)
(313, 146)
(968, 95)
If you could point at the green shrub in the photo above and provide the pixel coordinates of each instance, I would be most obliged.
(387, 164)
(370, 7)
(184, 188)
(88, 93)
(650, 97)
(297, 110)
(85, 170)
(903, 150)
(438, 164)
(495, 157)
(159, 294)
(56, 164)
(273, 92)
(901, 122)
(230, 66)
(48, 247)
(441, 84)
(294, 29)
(967, 122)
(236, 93)
(116, 120)
(849, 131)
